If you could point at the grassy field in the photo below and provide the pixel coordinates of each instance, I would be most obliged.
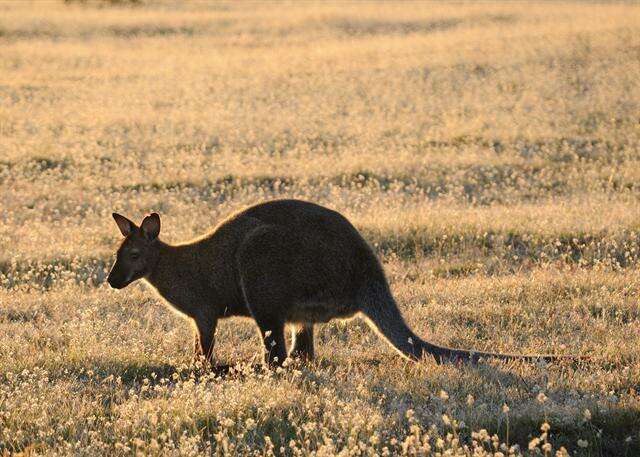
(489, 152)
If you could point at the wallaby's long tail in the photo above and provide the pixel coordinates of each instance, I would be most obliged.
(383, 314)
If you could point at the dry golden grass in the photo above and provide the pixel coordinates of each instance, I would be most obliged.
(490, 153)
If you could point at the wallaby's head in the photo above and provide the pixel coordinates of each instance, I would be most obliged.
(138, 253)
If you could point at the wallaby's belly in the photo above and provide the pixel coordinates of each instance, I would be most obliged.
(235, 309)
(320, 312)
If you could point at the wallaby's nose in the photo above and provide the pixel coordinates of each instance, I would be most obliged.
(114, 283)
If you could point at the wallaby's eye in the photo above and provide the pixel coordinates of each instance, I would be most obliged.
(135, 255)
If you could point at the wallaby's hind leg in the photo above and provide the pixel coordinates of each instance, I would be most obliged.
(272, 334)
(302, 342)
(265, 305)
(266, 285)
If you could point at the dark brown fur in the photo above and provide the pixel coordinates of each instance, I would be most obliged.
(280, 262)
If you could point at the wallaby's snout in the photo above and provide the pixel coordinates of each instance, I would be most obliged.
(138, 253)
(117, 278)
(115, 283)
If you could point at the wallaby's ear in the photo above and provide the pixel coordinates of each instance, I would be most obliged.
(124, 224)
(151, 226)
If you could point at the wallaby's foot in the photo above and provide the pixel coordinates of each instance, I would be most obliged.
(302, 343)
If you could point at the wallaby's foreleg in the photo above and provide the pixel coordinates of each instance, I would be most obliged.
(302, 342)
(204, 338)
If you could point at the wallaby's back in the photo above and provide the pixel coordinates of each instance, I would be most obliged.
(323, 261)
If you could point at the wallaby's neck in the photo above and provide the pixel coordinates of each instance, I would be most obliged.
(174, 268)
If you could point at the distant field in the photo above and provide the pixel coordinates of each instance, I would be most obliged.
(489, 152)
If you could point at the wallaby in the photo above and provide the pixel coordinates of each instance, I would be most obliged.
(280, 262)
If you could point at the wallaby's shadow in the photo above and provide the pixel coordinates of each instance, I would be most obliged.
(132, 373)
(322, 368)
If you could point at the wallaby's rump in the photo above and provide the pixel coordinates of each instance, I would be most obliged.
(283, 262)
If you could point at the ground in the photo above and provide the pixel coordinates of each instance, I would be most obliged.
(488, 152)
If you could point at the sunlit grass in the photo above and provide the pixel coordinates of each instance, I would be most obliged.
(488, 152)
